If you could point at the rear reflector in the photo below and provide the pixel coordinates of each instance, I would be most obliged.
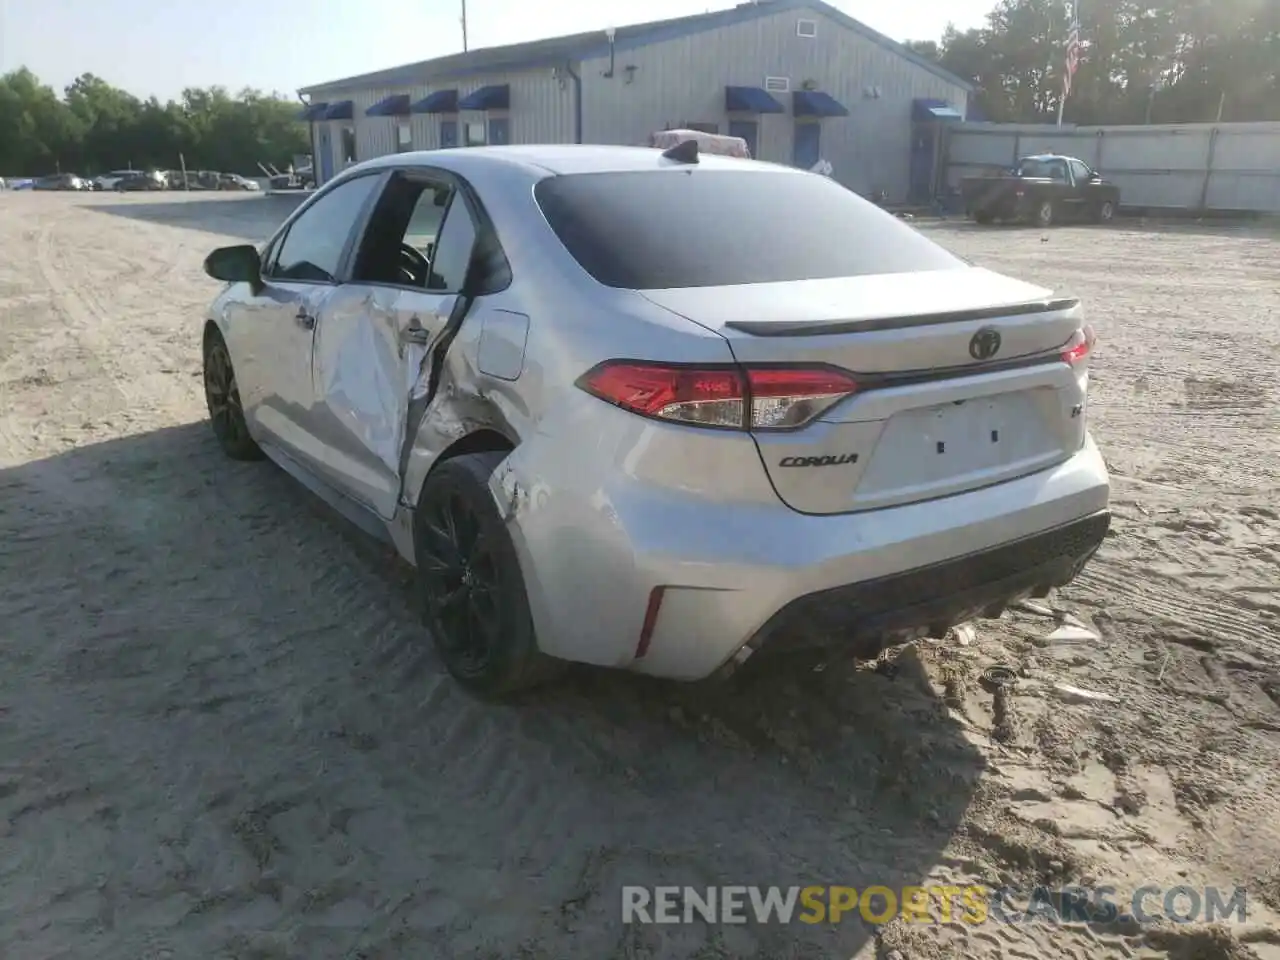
(1080, 345)
(729, 397)
(650, 620)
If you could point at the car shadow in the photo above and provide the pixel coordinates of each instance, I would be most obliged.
(250, 217)
(219, 698)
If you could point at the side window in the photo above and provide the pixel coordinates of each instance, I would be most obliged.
(399, 239)
(312, 249)
(1058, 170)
(1079, 170)
(454, 247)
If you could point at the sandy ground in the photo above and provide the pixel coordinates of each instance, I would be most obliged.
(222, 733)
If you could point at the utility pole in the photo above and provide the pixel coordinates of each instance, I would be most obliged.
(464, 26)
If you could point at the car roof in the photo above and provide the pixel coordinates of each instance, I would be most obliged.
(562, 159)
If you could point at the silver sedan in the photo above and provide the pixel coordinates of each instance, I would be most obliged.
(658, 411)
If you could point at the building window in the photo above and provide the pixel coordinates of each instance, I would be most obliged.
(499, 130)
(404, 136)
(475, 133)
(348, 144)
(702, 127)
(806, 28)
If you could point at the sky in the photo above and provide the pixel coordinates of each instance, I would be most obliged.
(158, 47)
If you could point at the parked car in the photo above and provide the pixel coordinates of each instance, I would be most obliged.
(658, 411)
(107, 181)
(1042, 190)
(233, 181)
(3, 185)
(59, 181)
(149, 180)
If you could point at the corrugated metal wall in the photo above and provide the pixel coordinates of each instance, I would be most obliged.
(683, 80)
(541, 112)
(1227, 166)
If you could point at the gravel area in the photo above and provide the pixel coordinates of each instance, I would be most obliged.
(223, 735)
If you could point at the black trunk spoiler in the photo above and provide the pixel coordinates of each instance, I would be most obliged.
(816, 328)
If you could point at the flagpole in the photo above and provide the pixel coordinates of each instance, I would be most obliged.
(1074, 27)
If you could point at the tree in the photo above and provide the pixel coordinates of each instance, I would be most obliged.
(1175, 60)
(96, 127)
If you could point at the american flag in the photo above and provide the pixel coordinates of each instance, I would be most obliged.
(1073, 52)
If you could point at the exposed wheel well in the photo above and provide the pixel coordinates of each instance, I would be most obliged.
(482, 441)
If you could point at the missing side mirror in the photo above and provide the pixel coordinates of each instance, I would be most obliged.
(238, 264)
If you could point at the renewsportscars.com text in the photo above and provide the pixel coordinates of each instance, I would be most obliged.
(931, 904)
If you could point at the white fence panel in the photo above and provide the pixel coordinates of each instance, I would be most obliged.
(1195, 166)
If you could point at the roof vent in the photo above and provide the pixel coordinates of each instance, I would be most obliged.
(683, 152)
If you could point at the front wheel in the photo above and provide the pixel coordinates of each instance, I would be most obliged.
(222, 395)
(1105, 212)
(1044, 214)
(473, 590)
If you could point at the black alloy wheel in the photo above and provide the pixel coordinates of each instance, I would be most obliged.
(473, 589)
(226, 413)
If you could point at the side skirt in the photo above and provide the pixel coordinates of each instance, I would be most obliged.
(397, 532)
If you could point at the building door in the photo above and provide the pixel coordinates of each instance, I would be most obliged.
(448, 133)
(748, 130)
(807, 146)
(324, 161)
(500, 130)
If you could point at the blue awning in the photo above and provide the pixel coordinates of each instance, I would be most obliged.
(442, 101)
(497, 97)
(751, 100)
(396, 105)
(342, 110)
(815, 103)
(924, 110)
(314, 111)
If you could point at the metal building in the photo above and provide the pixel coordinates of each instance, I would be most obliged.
(797, 79)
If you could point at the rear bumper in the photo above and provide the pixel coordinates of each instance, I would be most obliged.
(869, 616)
(729, 575)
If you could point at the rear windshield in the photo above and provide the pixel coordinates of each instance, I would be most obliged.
(664, 229)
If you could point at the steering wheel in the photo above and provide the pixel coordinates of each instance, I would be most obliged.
(414, 267)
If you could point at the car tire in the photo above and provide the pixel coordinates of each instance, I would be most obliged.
(1105, 212)
(222, 396)
(983, 218)
(473, 590)
(1045, 214)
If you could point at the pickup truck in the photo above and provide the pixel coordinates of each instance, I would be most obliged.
(1041, 190)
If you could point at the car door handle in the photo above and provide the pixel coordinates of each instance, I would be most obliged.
(304, 319)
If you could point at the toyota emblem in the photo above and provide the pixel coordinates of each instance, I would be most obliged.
(985, 344)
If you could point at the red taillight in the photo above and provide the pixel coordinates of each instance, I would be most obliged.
(1080, 345)
(739, 398)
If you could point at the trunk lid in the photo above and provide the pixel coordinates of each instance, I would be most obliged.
(961, 384)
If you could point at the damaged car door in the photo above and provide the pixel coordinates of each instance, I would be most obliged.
(377, 334)
(271, 331)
